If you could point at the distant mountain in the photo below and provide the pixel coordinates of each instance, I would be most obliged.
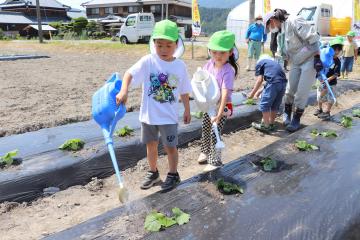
(213, 19)
(220, 3)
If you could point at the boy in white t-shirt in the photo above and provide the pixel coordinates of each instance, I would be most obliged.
(163, 78)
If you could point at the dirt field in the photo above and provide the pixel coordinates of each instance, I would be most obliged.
(53, 91)
(80, 203)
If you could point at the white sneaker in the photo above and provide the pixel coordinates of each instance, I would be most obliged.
(210, 168)
(202, 158)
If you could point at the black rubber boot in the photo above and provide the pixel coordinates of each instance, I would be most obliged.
(287, 114)
(295, 122)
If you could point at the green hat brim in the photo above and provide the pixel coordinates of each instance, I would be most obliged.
(173, 39)
(216, 47)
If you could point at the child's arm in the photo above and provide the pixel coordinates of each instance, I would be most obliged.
(258, 84)
(122, 96)
(186, 101)
(224, 97)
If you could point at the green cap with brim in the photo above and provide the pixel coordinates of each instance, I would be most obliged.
(167, 30)
(351, 34)
(337, 41)
(222, 41)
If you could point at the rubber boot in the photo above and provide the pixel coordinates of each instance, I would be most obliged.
(295, 122)
(287, 114)
(248, 64)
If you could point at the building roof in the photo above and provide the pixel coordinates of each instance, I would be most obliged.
(101, 3)
(14, 18)
(43, 3)
(43, 27)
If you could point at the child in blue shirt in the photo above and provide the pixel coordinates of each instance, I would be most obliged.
(270, 71)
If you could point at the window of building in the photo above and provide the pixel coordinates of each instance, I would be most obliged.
(109, 10)
(325, 12)
(155, 8)
(134, 9)
(94, 11)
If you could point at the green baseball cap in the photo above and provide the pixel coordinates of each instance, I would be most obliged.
(166, 29)
(351, 34)
(222, 41)
(338, 40)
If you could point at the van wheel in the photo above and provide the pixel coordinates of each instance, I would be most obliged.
(124, 40)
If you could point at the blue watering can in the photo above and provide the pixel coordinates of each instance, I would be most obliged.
(327, 58)
(106, 113)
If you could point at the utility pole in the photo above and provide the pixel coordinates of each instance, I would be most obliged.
(167, 9)
(38, 13)
(251, 11)
(162, 10)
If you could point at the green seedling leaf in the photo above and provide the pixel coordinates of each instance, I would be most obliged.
(167, 222)
(269, 164)
(198, 115)
(152, 223)
(346, 121)
(250, 101)
(304, 146)
(315, 133)
(180, 216)
(356, 113)
(125, 131)
(8, 158)
(228, 188)
(75, 144)
(329, 134)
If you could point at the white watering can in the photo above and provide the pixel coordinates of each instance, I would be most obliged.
(207, 94)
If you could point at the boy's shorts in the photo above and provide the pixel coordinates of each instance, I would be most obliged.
(168, 134)
(347, 64)
(272, 96)
(327, 97)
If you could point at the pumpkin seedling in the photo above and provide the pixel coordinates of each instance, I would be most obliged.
(328, 134)
(268, 164)
(75, 144)
(156, 221)
(228, 188)
(250, 101)
(356, 112)
(346, 121)
(304, 146)
(125, 131)
(198, 115)
(8, 159)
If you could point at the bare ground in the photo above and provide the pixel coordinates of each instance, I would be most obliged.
(80, 203)
(54, 91)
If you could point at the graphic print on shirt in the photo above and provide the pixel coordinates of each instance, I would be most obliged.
(162, 87)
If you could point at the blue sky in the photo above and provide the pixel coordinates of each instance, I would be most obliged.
(73, 3)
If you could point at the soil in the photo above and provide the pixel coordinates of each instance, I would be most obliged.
(80, 203)
(42, 93)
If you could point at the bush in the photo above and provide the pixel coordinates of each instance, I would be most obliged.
(2, 35)
(80, 24)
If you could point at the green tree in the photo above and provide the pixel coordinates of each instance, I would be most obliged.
(80, 24)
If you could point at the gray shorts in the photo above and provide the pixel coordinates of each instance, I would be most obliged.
(168, 134)
(327, 96)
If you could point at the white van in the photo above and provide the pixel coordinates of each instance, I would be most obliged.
(137, 27)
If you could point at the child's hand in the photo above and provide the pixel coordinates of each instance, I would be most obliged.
(216, 119)
(121, 97)
(187, 117)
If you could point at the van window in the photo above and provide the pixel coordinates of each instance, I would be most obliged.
(145, 18)
(131, 21)
(325, 12)
(307, 13)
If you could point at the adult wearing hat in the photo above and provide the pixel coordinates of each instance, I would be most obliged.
(255, 38)
(301, 46)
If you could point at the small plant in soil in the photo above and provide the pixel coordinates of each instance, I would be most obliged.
(75, 144)
(346, 121)
(8, 159)
(198, 115)
(228, 188)
(356, 112)
(250, 101)
(156, 221)
(304, 146)
(125, 131)
(268, 164)
(327, 134)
